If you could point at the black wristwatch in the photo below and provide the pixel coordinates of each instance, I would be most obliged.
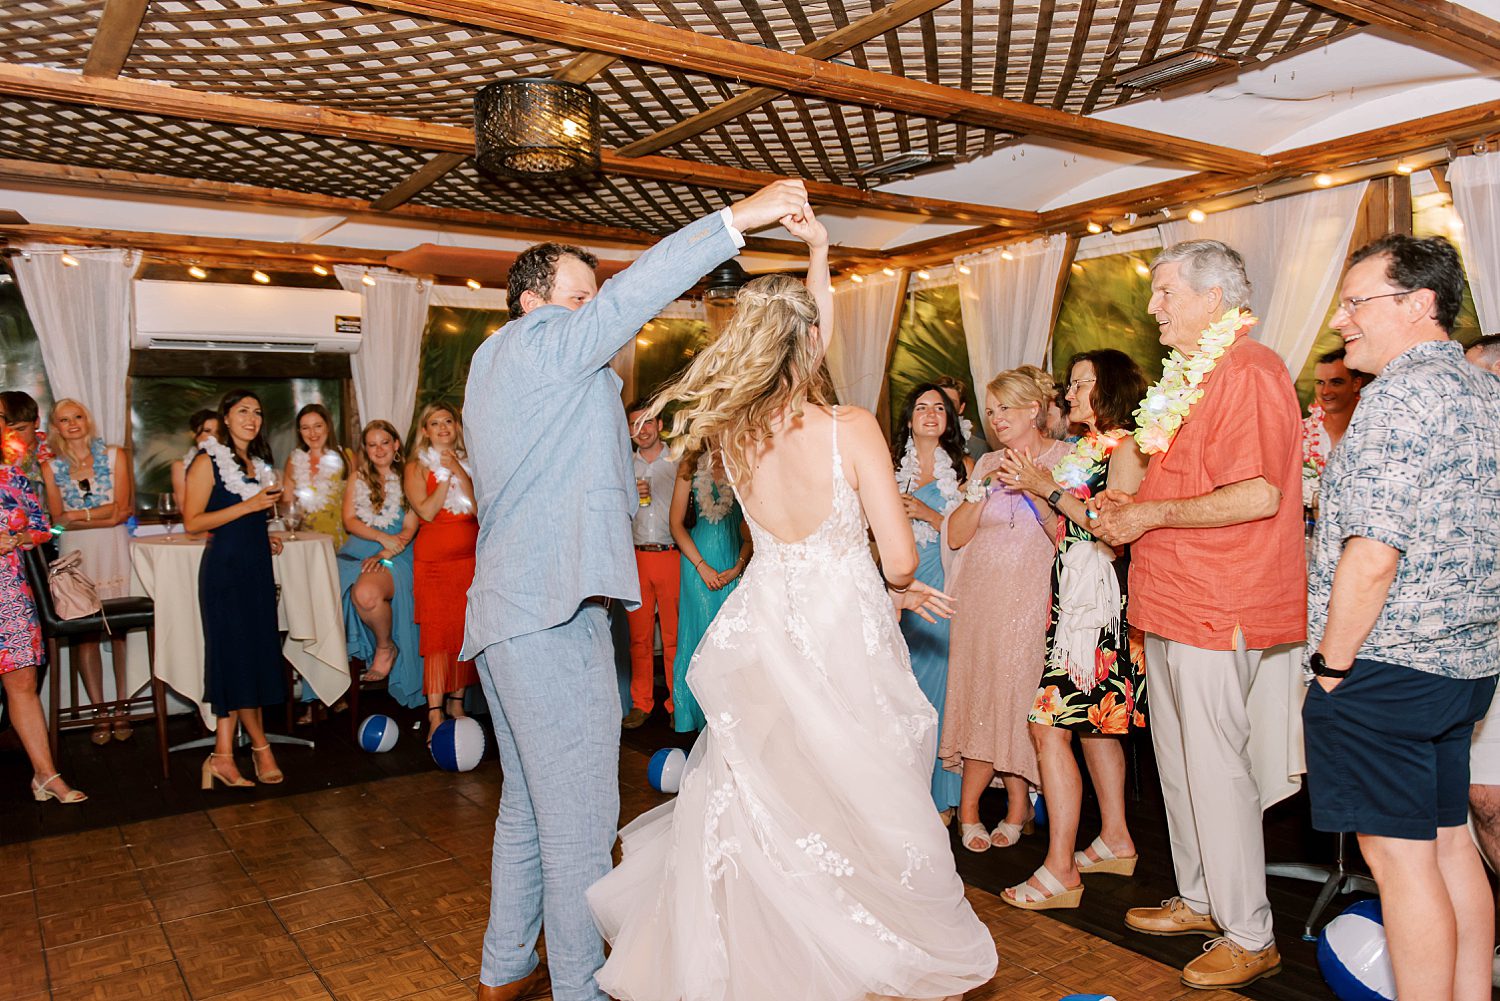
(1054, 497)
(1321, 669)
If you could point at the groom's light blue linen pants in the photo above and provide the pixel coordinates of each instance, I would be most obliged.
(556, 713)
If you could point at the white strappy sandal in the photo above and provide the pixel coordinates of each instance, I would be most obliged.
(1107, 861)
(968, 832)
(1053, 896)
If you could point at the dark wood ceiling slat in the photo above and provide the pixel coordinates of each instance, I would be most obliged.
(1200, 23)
(1164, 13)
(1039, 42)
(1075, 53)
(1111, 55)
(1268, 32)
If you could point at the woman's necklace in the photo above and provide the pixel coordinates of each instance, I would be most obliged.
(909, 475)
(457, 501)
(715, 498)
(1168, 402)
(390, 503)
(79, 495)
(230, 472)
(315, 492)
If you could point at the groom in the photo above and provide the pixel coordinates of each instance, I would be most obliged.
(555, 496)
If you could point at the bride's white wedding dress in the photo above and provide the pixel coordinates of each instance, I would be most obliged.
(802, 858)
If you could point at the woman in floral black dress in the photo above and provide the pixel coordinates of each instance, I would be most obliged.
(1094, 677)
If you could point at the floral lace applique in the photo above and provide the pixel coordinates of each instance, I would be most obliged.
(827, 859)
(718, 852)
(916, 859)
(860, 916)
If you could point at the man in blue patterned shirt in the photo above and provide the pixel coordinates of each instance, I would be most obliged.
(1404, 613)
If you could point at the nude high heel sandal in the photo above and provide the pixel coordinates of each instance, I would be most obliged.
(210, 776)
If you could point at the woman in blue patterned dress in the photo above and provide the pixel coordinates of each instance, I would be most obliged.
(23, 524)
(714, 553)
(375, 568)
(931, 468)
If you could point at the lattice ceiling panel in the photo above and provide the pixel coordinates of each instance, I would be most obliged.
(775, 24)
(653, 206)
(54, 33)
(1069, 69)
(57, 133)
(331, 54)
(829, 142)
(636, 99)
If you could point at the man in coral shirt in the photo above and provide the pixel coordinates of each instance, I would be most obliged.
(1218, 575)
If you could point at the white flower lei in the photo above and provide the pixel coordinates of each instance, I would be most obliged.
(966, 428)
(315, 493)
(230, 472)
(457, 502)
(715, 498)
(1166, 406)
(1090, 450)
(390, 505)
(909, 474)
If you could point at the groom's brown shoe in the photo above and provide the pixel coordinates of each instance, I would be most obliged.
(1173, 917)
(532, 987)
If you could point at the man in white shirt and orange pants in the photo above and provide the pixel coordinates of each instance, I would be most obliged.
(656, 560)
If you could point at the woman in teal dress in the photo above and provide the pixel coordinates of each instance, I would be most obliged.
(375, 568)
(931, 468)
(714, 553)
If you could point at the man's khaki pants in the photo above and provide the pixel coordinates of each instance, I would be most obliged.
(1200, 728)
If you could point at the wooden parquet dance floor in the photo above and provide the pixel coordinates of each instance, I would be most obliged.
(370, 892)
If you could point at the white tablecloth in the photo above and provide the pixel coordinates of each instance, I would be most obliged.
(310, 612)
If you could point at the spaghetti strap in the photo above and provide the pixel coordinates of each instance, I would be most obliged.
(838, 460)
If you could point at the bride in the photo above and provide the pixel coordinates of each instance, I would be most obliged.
(802, 857)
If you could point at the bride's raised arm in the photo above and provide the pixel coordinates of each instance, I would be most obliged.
(810, 231)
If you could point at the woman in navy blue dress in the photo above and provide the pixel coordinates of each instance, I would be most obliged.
(229, 490)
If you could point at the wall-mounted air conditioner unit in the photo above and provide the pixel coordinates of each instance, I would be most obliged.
(202, 316)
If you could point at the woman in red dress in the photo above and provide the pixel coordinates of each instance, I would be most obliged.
(439, 490)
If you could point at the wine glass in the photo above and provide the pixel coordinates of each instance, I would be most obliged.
(166, 507)
(270, 480)
(294, 517)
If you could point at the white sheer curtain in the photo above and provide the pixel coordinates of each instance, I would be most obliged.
(1476, 198)
(385, 366)
(84, 315)
(864, 321)
(1007, 306)
(1294, 250)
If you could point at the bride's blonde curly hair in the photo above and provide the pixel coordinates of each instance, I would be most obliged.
(766, 363)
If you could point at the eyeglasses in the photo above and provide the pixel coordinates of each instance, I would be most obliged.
(1351, 304)
(1075, 383)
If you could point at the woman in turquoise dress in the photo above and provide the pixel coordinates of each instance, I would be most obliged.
(714, 553)
(375, 569)
(931, 468)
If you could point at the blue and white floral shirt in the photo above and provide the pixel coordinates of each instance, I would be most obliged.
(1419, 470)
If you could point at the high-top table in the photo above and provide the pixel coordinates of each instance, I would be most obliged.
(308, 609)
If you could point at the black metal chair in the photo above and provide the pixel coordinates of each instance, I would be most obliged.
(121, 615)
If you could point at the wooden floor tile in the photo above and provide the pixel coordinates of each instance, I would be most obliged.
(461, 951)
(235, 890)
(191, 872)
(306, 987)
(303, 874)
(351, 810)
(386, 977)
(97, 922)
(24, 970)
(154, 850)
(166, 827)
(1108, 970)
(448, 992)
(87, 865)
(465, 839)
(274, 831)
(15, 875)
(103, 957)
(302, 911)
(355, 938)
(1033, 988)
(435, 899)
(376, 860)
(71, 845)
(120, 888)
(241, 963)
(160, 982)
(198, 934)
(17, 914)
(251, 811)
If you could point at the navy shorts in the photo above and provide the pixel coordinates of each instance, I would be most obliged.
(1388, 750)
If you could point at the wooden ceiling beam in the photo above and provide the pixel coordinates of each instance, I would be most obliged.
(499, 224)
(158, 99)
(585, 67)
(259, 253)
(119, 23)
(419, 180)
(1448, 29)
(850, 36)
(588, 29)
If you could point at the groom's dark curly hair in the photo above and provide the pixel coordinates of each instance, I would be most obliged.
(536, 269)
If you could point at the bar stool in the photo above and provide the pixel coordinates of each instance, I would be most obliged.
(118, 615)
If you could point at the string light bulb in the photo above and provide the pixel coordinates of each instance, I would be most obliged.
(473, 285)
(69, 261)
(261, 277)
(1006, 255)
(964, 269)
(924, 275)
(367, 280)
(1094, 227)
(857, 279)
(1196, 215)
(1403, 168)
(197, 272)
(320, 271)
(888, 272)
(1323, 180)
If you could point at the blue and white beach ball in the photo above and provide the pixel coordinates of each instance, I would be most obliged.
(458, 744)
(666, 768)
(1353, 956)
(378, 733)
(1039, 807)
(1089, 997)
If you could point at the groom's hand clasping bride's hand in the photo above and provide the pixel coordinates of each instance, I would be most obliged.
(786, 197)
(926, 601)
(806, 227)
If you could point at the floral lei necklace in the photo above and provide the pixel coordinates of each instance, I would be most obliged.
(457, 502)
(390, 504)
(315, 493)
(910, 474)
(715, 498)
(231, 473)
(1166, 406)
(1072, 473)
(73, 498)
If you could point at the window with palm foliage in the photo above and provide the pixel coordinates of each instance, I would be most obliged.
(929, 344)
(1104, 306)
(449, 341)
(663, 348)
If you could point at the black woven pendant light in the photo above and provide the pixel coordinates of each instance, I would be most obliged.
(530, 127)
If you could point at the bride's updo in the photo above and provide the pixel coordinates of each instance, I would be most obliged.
(766, 363)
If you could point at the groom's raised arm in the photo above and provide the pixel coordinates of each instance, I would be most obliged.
(585, 339)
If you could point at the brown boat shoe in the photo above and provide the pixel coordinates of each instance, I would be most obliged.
(1227, 966)
(1173, 917)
